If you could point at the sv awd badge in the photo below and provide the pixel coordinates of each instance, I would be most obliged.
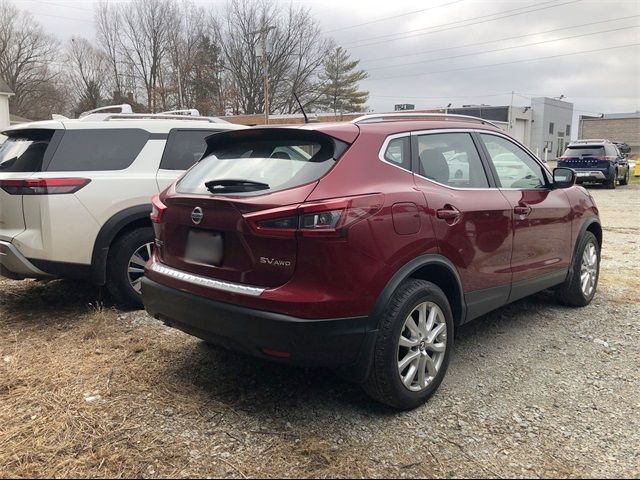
(275, 263)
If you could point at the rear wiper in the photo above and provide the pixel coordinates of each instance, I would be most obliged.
(232, 186)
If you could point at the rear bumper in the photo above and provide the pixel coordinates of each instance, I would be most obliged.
(590, 175)
(335, 342)
(15, 266)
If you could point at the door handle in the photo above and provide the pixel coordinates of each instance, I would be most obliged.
(523, 210)
(449, 213)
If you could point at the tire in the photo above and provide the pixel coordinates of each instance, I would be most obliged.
(625, 180)
(611, 182)
(385, 382)
(571, 292)
(120, 255)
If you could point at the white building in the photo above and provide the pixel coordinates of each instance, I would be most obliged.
(5, 93)
(551, 128)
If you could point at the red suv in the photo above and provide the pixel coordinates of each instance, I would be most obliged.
(362, 246)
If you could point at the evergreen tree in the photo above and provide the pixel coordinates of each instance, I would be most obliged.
(339, 84)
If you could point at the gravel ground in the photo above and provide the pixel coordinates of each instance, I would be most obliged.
(534, 390)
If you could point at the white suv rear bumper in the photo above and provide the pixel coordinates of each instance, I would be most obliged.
(14, 265)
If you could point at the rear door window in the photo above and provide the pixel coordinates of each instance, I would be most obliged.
(184, 149)
(98, 150)
(259, 165)
(451, 159)
(24, 151)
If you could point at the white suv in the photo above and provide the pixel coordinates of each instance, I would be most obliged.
(75, 195)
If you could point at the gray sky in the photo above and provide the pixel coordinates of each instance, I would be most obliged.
(411, 58)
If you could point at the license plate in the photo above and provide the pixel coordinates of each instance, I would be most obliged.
(204, 247)
(583, 174)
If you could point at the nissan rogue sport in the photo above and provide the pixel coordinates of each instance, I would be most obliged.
(362, 246)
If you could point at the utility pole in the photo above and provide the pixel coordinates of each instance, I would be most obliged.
(263, 32)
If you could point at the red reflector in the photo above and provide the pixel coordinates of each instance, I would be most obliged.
(43, 186)
(157, 209)
(276, 353)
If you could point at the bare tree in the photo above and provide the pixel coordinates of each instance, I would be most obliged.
(145, 41)
(107, 21)
(295, 54)
(87, 73)
(27, 57)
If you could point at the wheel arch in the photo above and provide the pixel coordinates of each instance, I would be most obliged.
(121, 223)
(434, 268)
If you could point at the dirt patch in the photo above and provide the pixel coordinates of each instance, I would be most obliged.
(534, 389)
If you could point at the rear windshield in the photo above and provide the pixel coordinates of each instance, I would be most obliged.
(585, 151)
(271, 164)
(99, 149)
(24, 151)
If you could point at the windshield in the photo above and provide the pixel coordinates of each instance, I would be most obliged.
(257, 167)
(24, 152)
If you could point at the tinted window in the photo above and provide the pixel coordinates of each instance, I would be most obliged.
(184, 148)
(398, 152)
(278, 163)
(551, 128)
(451, 159)
(92, 150)
(515, 168)
(24, 151)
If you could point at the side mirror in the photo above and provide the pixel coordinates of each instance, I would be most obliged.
(563, 177)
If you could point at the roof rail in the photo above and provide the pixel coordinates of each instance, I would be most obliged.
(191, 111)
(419, 116)
(158, 116)
(124, 108)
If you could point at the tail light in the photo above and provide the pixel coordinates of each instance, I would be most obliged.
(563, 159)
(157, 209)
(606, 157)
(330, 218)
(43, 186)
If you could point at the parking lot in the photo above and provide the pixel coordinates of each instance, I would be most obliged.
(534, 389)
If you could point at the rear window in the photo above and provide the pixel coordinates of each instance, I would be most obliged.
(259, 165)
(585, 151)
(100, 149)
(184, 148)
(24, 151)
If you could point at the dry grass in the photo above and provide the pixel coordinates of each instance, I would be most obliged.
(86, 391)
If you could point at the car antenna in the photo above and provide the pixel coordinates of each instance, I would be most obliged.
(306, 119)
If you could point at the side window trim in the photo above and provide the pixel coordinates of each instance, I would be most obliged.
(494, 172)
(385, 145)
(415, 160)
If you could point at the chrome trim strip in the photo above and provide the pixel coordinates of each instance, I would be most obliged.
(206, 282)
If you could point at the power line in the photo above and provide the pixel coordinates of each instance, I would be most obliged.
(454, 25)
(475, 44)
(62, 5)
(384, 19)
(60, 16)
(481, 52)
(505, 63)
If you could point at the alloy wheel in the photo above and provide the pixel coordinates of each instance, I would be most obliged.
(589, 269)
(135, 269)
(422, 345)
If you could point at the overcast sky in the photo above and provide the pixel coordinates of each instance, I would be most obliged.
(435, 52)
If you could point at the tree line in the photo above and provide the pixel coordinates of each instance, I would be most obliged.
(164, 55)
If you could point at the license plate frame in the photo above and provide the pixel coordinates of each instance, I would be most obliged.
(204, 247)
